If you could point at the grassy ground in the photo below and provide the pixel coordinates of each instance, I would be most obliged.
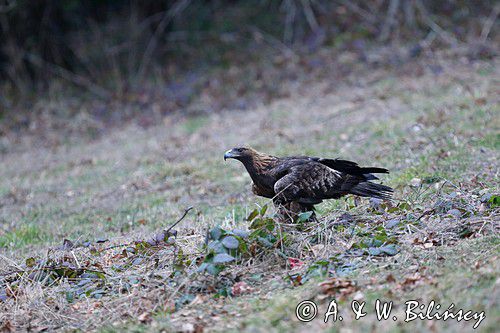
(437, 131)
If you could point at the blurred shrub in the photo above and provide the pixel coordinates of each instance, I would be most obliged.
(109, 47)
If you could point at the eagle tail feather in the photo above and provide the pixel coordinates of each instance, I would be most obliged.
(372, 190)
(350, 167)
(374, 170)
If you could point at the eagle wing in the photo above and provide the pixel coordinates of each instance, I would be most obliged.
(309, 183)
(310, 180)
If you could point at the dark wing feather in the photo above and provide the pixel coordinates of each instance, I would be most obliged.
(352, 168)
(308, 182)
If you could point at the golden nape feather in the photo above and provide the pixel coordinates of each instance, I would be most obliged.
(300, 182)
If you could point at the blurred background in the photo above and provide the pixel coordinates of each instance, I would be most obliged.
(204, 56)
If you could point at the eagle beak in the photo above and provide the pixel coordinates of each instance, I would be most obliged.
(229, 154)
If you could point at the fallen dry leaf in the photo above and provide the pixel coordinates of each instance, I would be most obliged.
(337, 288)
(241, 288)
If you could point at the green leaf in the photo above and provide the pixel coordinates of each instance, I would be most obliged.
(222, 258)
(243, 247)
(494, 201)
(252, 215)
(304, 217)
(390, 249)
(265, 242)
(240, 233)
(257, 223)
(263, 210)
(270, 224)
(377, 241)
(70, 297)
(217, 247)
(404, 206)
(374, 251)
(230, 242)
(202, 267)
(216, 233)
(214, 269)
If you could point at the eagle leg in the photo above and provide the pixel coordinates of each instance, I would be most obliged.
(289, 212)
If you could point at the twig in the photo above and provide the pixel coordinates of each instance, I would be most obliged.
(68, 75)
(446, 36)
(488, 25)
(309, 14)
(179, 220)
(389, 20)
(76, 260)
(166, 231)
(274, 42)
(177, 8)
(369, 17)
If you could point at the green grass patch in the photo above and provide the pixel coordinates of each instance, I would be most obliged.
(24, 235)
(490, 140)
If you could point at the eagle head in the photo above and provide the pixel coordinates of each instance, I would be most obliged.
(240, 153)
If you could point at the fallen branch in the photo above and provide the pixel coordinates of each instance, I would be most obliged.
(166, 231)
(179, 220)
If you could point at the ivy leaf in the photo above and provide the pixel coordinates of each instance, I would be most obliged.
(304, 217)
(216, 233)
(216, 246)
(222, 258)
(213, 269)
(240, 233)
(70, 297)
(374, 251)
(265, 242)
(230, 242)
(202, 267)
(390, 249)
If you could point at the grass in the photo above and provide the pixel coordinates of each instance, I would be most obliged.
(131, 183)
(25, 235)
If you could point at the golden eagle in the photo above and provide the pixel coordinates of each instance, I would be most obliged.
(300, 182)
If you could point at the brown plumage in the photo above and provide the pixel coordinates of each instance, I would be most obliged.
(300, 182)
